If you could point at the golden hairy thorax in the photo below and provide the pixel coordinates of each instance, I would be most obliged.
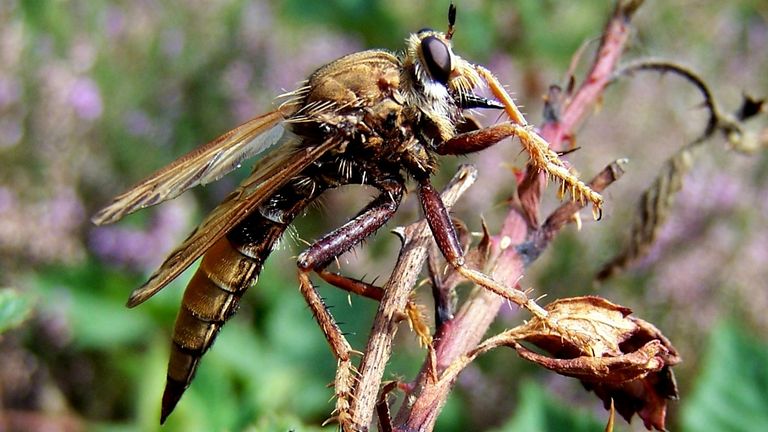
(360, 95)
(359, 79)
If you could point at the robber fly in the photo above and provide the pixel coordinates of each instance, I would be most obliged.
(373, 118)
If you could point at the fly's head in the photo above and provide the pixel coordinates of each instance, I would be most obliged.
(438, 82)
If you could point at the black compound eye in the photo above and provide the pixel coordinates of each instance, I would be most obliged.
(437, 58)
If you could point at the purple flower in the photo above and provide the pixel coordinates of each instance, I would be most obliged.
(10, 91)
(11, 131)
(142, 249)
(7, 199)
(238, 76)
(114, 21)
(64, 211)
(138, 123)
(173, 42)
(85, 98)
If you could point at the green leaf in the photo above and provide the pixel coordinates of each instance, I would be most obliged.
(14, 308)
(540, 411)
(731, 393)
(93, 301)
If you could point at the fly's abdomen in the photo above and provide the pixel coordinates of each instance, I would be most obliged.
(211, 297)
(227, 270)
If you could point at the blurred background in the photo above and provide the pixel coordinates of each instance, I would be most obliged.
(95, 95)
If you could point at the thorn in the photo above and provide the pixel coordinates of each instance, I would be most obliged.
(330, 420)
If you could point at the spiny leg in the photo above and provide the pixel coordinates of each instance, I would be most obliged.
(344, 380)
(477, 140)
(448, 242)
(318, 256)
(541, 157)
(413, 313)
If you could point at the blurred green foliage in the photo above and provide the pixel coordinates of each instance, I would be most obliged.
(539, 411)
(94, 95)
(731, 391)
(15, 308)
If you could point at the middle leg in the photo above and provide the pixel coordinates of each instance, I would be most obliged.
(448, 242)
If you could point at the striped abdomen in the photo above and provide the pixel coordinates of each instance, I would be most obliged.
(227, 269)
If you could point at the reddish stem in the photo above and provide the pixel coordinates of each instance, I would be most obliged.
(519, 232)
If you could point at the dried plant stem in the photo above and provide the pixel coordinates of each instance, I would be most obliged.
(519, 234)
(577, 106)
(612, 44)
(459, 338)
(655, 205)
(417, 238)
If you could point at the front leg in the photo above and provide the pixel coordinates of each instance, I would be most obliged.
(542, 157)
(477, 140)
(448, 242)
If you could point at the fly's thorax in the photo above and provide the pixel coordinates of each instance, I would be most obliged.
(356, 80)
(339, 96)
(399, 137)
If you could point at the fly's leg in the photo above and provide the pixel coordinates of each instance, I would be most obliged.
(318, 256)
(413, 313)
(541, 157)
(448, 242)
(477, 140)
(355, 286)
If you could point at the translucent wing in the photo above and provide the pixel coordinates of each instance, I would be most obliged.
(200, 166)
(268, 176)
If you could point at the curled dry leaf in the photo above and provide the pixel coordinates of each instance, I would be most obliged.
(657, 201)
(615, 355)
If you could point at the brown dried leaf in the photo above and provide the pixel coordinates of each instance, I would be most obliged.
(615, 355)
(652, 212)
(579, 326)
(613, 370)
(648, 396)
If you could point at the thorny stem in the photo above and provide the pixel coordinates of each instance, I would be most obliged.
(460, 335)
(577, 106)
(612, 45)
(452, 371)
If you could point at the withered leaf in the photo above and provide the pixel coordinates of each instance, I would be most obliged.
(615, 355)
(604, 370)
(590, 326)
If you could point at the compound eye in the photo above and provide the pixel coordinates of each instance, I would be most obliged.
(437, 58)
